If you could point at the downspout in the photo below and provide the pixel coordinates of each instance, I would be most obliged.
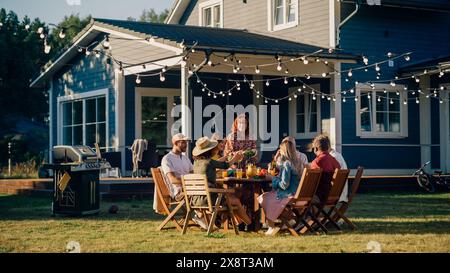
(343, 23)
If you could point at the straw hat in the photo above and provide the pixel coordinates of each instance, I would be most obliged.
(203, 145)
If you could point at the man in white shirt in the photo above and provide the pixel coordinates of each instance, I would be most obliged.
(338, 156)
(176, 164)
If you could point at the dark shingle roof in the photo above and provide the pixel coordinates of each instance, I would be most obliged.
(221, 38)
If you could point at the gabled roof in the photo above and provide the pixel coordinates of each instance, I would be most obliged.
(434, 5)
(204, 38)
(177, 11)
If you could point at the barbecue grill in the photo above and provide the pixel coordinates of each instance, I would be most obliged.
(76, 171)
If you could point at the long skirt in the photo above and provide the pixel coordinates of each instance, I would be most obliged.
(272, 206)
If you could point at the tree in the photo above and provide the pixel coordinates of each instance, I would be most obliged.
(151, 16)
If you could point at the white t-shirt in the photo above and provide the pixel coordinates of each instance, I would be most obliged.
(178, 165)
(340, 159)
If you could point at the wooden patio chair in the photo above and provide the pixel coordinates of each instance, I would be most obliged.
(339, 212)
(197, 185)
(338, 183)
(163, 196)
(300, 206)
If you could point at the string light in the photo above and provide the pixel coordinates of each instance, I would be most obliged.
(47, 47)
(350, 74)
(162, 78)
(138, 79)
(62, 34)
(257, 70)
(365, 60)
(279, 67)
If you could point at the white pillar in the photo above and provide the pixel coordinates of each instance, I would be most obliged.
(120, 145)
(50, 121)
(335, 110)
(185, 97)
(425, 121)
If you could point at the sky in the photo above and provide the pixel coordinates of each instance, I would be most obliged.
(53, 11)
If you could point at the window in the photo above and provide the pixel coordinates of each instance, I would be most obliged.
(153, 114)
(381, 113)
(305, 115)
(84, 122)
(211, 13)
(282, 14)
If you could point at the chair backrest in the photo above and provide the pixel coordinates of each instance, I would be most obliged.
(308, 184)
(196, 185)
(338, 182)
(160, 185)
(356, 183)
(114, 159)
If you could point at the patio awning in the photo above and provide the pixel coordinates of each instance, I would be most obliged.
(204, 38)
(432, 66)
(222, 39)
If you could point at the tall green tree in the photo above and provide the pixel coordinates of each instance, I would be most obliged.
(151, 16)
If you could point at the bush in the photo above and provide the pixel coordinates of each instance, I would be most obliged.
(28, 169)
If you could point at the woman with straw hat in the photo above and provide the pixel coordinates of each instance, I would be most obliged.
(204, 164)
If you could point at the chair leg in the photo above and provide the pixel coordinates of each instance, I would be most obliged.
(231, 216)
(284, 221)
(186, 221)
(214, 215)
(317, 221)
(171, 217)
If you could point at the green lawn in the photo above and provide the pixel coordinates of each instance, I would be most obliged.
(400, 222)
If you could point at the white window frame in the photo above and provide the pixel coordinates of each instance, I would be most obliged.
(403, 111)
(271, 16)
(154, 92)
(83, 97)
(210, 4)
(293, 114)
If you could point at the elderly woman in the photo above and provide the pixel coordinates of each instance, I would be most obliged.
(283, 186)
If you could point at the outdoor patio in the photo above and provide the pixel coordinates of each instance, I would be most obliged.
(402, 222)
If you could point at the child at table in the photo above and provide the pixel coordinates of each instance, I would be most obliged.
(204, 164)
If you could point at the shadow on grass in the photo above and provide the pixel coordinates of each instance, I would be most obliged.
(15, 207)
(402, 205)
(402, 227)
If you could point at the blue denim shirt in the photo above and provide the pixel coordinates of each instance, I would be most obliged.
(287, 182)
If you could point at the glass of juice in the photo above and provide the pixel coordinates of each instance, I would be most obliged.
(239, 173)
(224, 173)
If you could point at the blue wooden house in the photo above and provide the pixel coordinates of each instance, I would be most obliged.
(370, 74)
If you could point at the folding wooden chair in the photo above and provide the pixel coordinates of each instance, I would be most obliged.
(300, 206)
(196, 185)
(339, 213)
(338, 183)
(163, 196)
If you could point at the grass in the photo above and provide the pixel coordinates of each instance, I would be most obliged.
(400, 222)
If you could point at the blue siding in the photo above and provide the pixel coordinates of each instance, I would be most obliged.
(375, 31)
(84, 74)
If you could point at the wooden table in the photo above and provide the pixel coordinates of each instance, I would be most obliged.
(256, 186)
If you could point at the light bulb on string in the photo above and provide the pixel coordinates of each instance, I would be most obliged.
(235, 70)
(334, 98)
(97, 54)
(27, 27)
(285, 80)
(138, 79)
(417, 100)
(407, 58)
(88, 53)
(384, 90)
(42, 36)
(324, 74)
(366, 70)
(162, 78)
(106, 44)
(377, 68)
(295, 96)
(365, 60)
(257, 70)
(308, 76)
(62, 34)
(279, 67)
(267, 83)
(314, 97)
(441, 73)
(40, 30)
(441, 101)
(405, 102)
(379, 99)
(266, 101)
(356, 98)
(209, 94)
(392, 101)
(305, 61)
(350, 74)
(328, 98)
(344, 100)
(417, 79)
(317, 60)
(252, 85)
(286, 71)
(368, 96)
(215, 96)
(290, 99)
(392, 83)
(351, 91)
(397, 93)
(47, 47)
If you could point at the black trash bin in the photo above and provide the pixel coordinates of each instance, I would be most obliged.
(76, 187)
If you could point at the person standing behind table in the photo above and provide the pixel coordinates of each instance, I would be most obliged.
(283, 186)
(176, 164)
(341, 160)
(328, 164)
(240, 139)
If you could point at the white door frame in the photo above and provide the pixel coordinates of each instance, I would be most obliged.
(444, 113)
